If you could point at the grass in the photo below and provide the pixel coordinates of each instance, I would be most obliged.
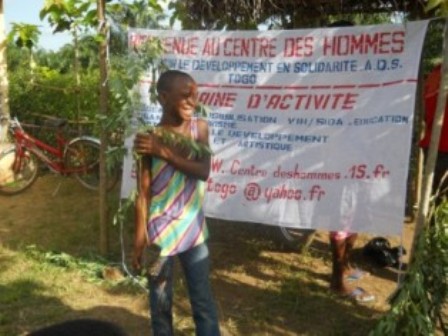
(37, 287)
(50, 270)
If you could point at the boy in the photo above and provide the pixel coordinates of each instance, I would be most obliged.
(169, 206)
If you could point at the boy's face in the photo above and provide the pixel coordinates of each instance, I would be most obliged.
(181, 100)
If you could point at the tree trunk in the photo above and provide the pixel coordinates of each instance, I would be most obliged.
(104, 232)
(4, 88)
(428, 176)
(78, 82)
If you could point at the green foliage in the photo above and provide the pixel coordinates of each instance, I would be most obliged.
(217, 15)
(363, 18)
(24, 35)
(69, 14)
(51, 93)
(417, 304)
(125, 72)
(175, 139)
(123, 15)
(213, 14)
(16, 57)
(91, 269)
(433, 44)
(440, 7)
(138, 14)
(123, 212)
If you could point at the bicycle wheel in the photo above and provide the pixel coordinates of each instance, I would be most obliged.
(82, 159)
(12, 182)
(295, 239)
(291, 235)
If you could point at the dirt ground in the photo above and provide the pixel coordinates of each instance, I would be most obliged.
(262, 286)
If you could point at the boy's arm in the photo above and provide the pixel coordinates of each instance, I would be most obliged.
(141, 210)
(198, 168)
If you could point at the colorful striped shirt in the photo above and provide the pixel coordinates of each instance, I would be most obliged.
(176, 217)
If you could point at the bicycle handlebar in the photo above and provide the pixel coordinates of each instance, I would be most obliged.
(15, 123)
(11, 122)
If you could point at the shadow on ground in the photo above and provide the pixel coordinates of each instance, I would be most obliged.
(262, 286)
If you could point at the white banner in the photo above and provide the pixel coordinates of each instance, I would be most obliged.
(309, 128)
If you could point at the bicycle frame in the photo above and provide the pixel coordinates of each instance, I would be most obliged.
(77, 156)
(25, 141)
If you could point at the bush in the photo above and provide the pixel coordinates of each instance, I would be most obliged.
(48, 92)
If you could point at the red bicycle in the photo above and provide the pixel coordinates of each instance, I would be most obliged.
(78, 156)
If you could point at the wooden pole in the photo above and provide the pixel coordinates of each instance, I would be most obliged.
(104, 232)
(436, 132)
(78, 80)
(416, 159)
(4, 88)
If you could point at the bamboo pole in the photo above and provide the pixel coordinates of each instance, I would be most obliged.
(436, 132)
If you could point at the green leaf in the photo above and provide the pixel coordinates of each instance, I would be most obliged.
(432, 4)
(444, 8)
(91, 18)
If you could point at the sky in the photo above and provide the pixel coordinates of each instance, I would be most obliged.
(27, 11)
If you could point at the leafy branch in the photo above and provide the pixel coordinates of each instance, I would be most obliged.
(178, 140)
(90, 269)
(416, 306)
(440, 7)
(94, 269)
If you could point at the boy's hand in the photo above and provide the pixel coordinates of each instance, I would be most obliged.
(137, 258)
(147, 144)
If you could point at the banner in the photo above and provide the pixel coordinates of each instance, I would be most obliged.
(309, 128)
